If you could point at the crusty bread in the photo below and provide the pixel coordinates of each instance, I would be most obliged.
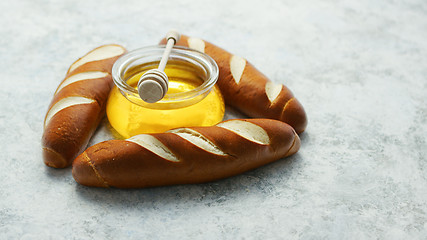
(78, 105)
(186, 155)
(247, 89)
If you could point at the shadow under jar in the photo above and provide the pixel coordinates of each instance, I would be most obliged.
(192, 98)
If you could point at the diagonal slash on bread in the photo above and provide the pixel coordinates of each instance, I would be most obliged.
(186, 155)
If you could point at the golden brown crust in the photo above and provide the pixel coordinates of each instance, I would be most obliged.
(97, 89)
(125, 164)
(88, 173)
(104, 65)
(296, 144)
(68, 133)
(249, 95)
(53, 159)
(69, 130)
(294, 114)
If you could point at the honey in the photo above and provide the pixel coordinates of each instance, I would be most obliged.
(129, 118)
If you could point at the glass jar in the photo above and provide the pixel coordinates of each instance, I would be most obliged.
(192, 98)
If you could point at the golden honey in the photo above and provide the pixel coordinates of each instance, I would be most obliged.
(130, 119)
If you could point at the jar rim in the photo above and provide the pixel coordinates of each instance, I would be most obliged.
(174, 100)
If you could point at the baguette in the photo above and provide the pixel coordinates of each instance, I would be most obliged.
(247, 89)
(78, 106)
(186, 155)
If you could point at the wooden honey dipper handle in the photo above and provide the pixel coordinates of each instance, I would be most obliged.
(153, 84)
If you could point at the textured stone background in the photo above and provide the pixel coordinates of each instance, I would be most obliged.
(358, 67)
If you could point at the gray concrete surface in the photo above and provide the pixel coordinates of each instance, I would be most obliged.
(358, 67)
